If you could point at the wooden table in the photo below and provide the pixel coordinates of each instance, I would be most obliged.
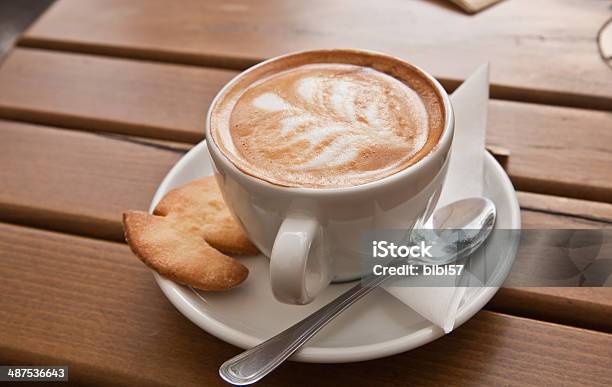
(101, 97)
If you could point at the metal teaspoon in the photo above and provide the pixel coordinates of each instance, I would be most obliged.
(474, 215)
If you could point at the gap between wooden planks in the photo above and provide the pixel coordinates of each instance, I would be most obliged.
(89, 304)
(80, 183)
(553, 150)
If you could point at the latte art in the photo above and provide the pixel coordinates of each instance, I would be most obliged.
(327, 125)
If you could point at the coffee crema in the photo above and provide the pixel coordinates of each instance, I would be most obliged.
(329, 125)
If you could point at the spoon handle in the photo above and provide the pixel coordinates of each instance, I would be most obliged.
(252, 365)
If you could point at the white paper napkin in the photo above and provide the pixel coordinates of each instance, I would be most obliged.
(464, 179)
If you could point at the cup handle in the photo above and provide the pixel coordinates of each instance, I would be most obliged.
(298, 267)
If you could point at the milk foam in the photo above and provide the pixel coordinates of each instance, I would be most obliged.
(326, 125)
(270, 102)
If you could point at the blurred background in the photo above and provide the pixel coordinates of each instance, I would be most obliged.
(16, 16)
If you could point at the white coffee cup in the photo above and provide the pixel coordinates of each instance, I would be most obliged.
(313, 236)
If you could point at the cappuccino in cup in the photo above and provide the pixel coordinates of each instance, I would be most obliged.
(329, 125)
(313, 148)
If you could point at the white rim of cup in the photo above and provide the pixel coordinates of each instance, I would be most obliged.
(443, 143)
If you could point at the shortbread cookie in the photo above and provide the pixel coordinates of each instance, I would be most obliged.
(200, 205)
(176, 241)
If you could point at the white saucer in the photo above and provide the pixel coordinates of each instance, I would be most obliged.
(377, 326)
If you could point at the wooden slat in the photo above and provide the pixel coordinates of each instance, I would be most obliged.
(554, 150)
(156, 100)
(585, 307)
(584, 209)
(89, 304)
(76, 182)
(67, 179)
(81, 183)
(545, 53)
(582, 307)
